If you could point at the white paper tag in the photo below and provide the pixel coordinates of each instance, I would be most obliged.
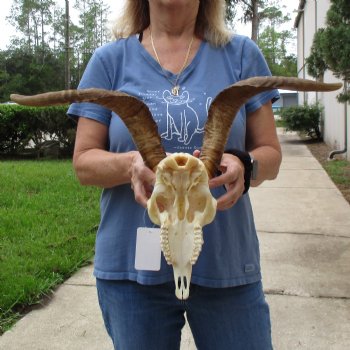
(148, 252)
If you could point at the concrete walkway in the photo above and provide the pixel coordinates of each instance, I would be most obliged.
(304, 230)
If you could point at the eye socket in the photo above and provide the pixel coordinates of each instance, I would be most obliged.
(160, 205)
(195, 180)
(164, 202)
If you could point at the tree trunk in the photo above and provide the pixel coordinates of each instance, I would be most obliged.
(67, 53)
(255, 20)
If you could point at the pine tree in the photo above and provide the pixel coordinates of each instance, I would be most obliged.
(331, 46)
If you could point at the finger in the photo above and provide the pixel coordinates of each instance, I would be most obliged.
(221, 180)
(196, 153)
(229, 199)
(226, 202)
(145, 176)
(140, 194)
(223, 204)
(142, 189)
(149, 190)
(149, 179)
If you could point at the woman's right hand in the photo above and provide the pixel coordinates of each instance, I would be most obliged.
(142, 179)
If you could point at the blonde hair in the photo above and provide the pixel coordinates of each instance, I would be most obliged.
(210, 23)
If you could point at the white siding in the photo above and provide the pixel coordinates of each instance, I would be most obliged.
(300, 57)
(334, 117)
(312, 18)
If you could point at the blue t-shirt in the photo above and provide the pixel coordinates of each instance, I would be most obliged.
(230, 254)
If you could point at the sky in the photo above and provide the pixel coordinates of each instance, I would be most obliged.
(7, 30)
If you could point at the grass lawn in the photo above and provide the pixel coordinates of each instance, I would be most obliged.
(279, 123)
(339, 171)
(47, 231)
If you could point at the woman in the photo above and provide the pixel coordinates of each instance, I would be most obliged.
(176, 56)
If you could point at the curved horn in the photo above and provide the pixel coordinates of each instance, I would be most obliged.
(227, 103)
(134, 113)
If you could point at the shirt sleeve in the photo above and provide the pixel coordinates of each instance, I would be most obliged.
(254, 65)
(95, 76)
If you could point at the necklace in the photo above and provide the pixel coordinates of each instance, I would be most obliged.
(176, 87)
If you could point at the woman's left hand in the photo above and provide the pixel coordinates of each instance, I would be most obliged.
(232, 177)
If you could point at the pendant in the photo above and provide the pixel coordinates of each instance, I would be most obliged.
(175, 90)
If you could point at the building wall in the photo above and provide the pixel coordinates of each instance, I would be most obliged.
(290, 100)
(312, 18)
(286, 99)
(334, 117)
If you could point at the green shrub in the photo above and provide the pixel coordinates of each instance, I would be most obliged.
(304, 119)
(32, 129)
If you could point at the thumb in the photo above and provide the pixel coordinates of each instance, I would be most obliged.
(196, 153)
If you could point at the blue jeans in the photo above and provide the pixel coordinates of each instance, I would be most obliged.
(141, 317)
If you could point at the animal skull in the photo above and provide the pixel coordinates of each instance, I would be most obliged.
(181, 204)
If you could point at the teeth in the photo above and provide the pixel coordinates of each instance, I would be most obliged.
(198, 242)
(164, 244)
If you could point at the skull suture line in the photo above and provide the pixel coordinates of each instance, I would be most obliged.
(181, 202)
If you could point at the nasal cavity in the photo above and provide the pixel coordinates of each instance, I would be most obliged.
(181, 280)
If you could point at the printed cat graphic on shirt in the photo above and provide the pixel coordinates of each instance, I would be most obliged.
(181, 122)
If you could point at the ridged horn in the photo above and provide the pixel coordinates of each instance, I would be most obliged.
(134, 113)
(227, 103)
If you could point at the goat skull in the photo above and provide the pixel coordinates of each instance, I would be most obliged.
(181, 204)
